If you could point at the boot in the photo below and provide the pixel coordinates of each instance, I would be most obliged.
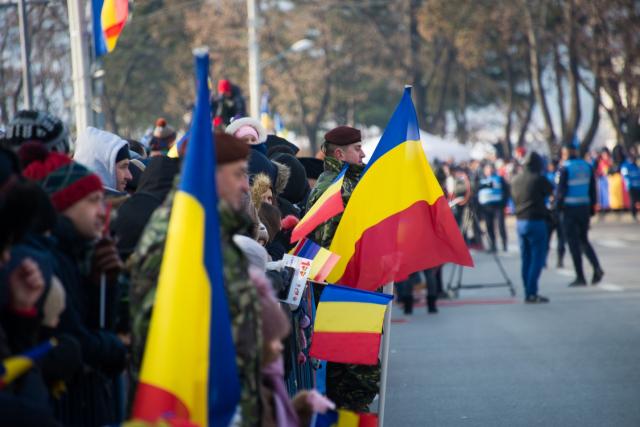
(431, 304)
(408, 304)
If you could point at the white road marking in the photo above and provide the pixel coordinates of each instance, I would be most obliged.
(611, 243)
(610, 287)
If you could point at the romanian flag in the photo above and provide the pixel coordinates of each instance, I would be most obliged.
(326, 207)
(344, 418)
(109, 17)
(397, 220)
(189, 371)
(323, 261)
(15, 366)
(348, 325)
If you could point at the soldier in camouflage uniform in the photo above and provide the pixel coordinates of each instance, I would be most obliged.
(242, 296)
(349, 386)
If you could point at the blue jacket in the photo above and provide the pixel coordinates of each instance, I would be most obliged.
(493, 191)
(631, 174)
(576, 186)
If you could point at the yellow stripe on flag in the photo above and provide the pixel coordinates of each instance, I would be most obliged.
(349, 317)
(183, 297)
(329, 192)
(361, 214)
(347, 418)
(318, 262)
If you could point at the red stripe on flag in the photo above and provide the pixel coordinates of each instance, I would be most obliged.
(414, 239)
(326, 268)
(331, 207)
(346, 347)
(153, 403)
(368, 420)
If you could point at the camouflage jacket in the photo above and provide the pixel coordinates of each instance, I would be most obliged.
(244, 309)
(323, 234)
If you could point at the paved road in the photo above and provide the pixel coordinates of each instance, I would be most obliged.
(489, 360)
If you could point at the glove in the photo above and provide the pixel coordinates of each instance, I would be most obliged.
(289, 222)
(105, 261)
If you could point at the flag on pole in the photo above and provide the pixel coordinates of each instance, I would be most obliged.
(15, 366)
(348, 325)
(397, 220)
(189, 369)
(328, 205)
(323, 261)
(344, 418)
(109, 17)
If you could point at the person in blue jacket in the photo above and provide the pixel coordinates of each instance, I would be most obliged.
(576, 200)
(631, 175)
(493, 194)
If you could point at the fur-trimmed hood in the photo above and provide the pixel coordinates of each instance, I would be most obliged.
(282, 177)
(261, 183)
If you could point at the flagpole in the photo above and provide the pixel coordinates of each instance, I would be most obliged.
(386, 339)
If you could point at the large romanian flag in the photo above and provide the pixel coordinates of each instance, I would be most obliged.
(397, 220)
(189, 370)
(109, 17)
(348, 325)
(328, 205)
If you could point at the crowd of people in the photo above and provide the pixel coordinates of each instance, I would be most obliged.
(83, 236)
(84, 227)
(547, 196)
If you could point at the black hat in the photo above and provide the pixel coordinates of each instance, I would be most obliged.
(343, 135)
(314, 167)
(31, 125)
(277, 141)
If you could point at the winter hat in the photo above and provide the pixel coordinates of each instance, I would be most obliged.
(260, 185)
(224, 86)
(137, 168)
(263, 234)
(229, 149)
(31, 125)
(162, 136)
(247, 126)
(312, 166)
(255, 253)
(98, 150)
(274, 141)
(54, 303)
(64, 180)
(259, 163)
(297, 186)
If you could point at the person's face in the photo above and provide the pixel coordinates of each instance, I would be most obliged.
(250, 139)
(488, 170)
(351, 153)
(565, 153)
(122, 174)
(232, 181)
(267, 197)
(88, 215)
(312, 182)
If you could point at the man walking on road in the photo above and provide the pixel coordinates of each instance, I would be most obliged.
(576, 199)
(529, 190)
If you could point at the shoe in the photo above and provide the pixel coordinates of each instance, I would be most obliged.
(597, 276)
(578, 282)
(536, 299)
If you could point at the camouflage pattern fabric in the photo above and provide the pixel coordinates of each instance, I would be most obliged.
(349, 386)
(244, 309)
(323, 235)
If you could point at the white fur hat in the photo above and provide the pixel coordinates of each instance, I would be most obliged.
(235, 125)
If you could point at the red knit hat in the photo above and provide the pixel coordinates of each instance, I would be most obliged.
(65, 181)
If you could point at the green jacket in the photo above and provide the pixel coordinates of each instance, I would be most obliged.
(242, 296)
(323, 234)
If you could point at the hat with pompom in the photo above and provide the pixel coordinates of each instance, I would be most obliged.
(65, 181)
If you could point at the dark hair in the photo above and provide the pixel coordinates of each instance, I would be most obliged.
(137, 147)
(24, 207)
(270, 216)
(329, 149)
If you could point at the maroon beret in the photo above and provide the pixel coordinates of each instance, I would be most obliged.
(343, 135)
(229, 149)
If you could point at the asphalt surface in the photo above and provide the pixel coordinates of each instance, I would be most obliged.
(487, 359)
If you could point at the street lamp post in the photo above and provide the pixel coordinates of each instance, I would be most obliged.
(26, 56)
(254, 58)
